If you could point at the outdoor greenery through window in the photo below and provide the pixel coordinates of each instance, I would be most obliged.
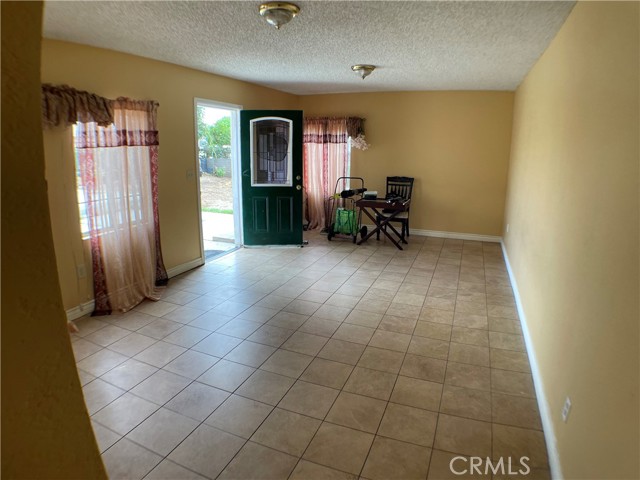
(214, 156)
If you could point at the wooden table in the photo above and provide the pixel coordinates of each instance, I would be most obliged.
(376, 206)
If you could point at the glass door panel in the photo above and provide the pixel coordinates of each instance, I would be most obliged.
(271, 152)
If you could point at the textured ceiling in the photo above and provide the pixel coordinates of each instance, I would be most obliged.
(417, 45)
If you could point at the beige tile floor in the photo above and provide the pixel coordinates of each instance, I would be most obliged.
(329, 361)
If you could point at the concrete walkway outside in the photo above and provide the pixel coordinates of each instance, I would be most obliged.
(218, 231)
(218, 226)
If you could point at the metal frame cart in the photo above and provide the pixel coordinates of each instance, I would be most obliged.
(345, 216)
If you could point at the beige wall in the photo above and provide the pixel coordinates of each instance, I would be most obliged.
(114, 74)
(572, 208)
(46, 431)
(456, 145)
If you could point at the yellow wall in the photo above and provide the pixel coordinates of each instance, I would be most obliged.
(112, 74)
(455, 144)
(572, 208)
(46, 431)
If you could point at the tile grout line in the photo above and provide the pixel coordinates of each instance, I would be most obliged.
(341, 322)
(339, 392)
(389, 401)
(435, 430)
(285, 394)
(233, 393)
(323, 420)
(335, 399)
(490, 371)
(342, 389)
(201, 423)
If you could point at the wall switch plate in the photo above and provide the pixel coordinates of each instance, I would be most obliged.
(190, 174)
(566, 409)
(507, 228)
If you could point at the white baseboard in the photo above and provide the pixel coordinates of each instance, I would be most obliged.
(80, 311)
(454, 235)
(543, 403)
(87, 307)
(457, 235)
(274, 246)
(185, 267)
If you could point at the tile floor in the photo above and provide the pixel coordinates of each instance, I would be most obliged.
(329, 361)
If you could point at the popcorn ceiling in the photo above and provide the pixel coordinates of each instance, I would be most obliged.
(415, 45)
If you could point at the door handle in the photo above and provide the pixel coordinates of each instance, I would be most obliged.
(245, 173)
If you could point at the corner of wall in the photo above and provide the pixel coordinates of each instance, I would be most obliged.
(44, 418)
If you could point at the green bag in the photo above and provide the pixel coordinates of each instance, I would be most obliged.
(346, 222)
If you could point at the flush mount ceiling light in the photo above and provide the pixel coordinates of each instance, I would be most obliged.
(363, 70)
(278, 13)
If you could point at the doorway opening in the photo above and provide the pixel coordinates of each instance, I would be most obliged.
(217, 147)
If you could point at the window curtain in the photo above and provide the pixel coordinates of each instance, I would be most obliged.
(326, 151)
(119, 173)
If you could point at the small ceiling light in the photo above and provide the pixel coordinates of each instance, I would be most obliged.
(363, 70)
(278, 13)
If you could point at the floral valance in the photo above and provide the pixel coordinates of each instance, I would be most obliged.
(355, 126)
(334, 130)
(64, 105)
(349, 126)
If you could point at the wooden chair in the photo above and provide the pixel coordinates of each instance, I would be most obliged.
(399, 187)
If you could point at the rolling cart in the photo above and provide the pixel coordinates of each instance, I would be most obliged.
(344, 214)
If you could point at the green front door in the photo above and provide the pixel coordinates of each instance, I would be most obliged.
(271, 157)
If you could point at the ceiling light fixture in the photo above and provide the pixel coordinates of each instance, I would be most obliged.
(278, 13)
(363, 70)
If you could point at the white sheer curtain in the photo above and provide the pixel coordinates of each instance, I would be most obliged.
(118, 166)
(325, 160)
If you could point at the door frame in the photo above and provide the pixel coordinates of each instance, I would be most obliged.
(235, 163)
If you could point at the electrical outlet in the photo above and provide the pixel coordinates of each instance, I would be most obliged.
(81, 271)
(566, 409)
